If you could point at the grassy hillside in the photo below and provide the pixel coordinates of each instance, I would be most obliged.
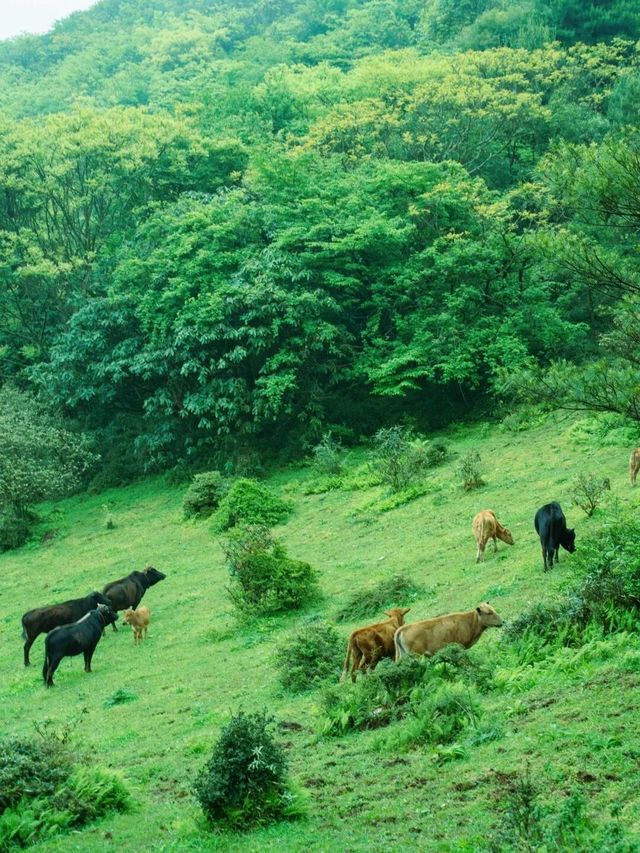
(570, 717)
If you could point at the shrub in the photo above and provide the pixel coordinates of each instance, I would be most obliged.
(435, 454)
(396, 591)
(588, 492)
(250, 502)
(90, 793)
(31, 768)
(14, 528)
(397, 457)
(327, 455)
(204, 494)
(469, 470)
(244, 783)
(263, 578)
(308, 656)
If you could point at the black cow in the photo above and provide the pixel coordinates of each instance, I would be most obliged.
(128, 592)
(79, 637)
(43, 619)
(551, 527)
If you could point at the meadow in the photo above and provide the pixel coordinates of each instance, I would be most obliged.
(154, 712)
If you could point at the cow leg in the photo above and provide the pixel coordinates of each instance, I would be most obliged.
(88, 654)
(357, 662)
(495, 544)
(50, 666)
(544, 557)
(480, 554)
(556, 553)
(27, 646)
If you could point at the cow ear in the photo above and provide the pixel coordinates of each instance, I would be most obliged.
(479, 610)
(405, 610)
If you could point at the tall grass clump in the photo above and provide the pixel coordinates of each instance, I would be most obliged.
(308, 656)
(250, 502)
(244, 783)
(328, 456)
(396, 591)
(470, 471)
(264, 579)
(398, 457)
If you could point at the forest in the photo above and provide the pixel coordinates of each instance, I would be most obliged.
(228, 228)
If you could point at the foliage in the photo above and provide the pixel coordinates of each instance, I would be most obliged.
(397, 457)
(588, 492)
(396, 591)
(469, 470)
(244, 782)
(308, 656)
(204, 494)
(39, 458)
(45, 790)
(327, 455)
(250, 502)
(263, 578)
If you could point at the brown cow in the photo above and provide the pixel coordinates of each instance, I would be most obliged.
(431, 635)
(367, 645)
(139, 620)
(634, 465)
(486, 526)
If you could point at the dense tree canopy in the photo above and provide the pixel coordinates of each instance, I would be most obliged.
(225, 222)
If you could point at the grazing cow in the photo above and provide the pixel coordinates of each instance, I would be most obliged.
(128, 592)
(139, 620)
(486, 526)
(551, 527)
(43, 619)
(367, 645)
(634, 465)
(431, 635)
(80, 637)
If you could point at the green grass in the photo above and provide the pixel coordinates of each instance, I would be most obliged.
(571, 719)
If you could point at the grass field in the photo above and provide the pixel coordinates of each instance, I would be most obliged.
(572, 719)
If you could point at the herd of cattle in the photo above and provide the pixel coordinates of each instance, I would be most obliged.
(75, 627)
(393, 639)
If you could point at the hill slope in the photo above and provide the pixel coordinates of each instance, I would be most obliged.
(569, 716)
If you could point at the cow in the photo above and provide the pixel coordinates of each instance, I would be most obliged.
(551, 527)
(634, 465)
(80, 637)
(43, 619)
(431, 635)
(367, 645)
(139, 620)
(128, 591)
(486, 526)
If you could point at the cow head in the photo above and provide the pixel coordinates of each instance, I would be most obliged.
(396, 614)
(568, 540)
(107, 614)
(506, 536)
(153, 576)
(98, 598)
(127, 615)
(488, 616)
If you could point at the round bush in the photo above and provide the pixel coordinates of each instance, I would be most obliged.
(204, 494)
(244, 782)
(31, 769)
(308, 656)
(250, 502)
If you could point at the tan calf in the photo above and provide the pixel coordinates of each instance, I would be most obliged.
(431, 635)
(367, 645)
(486, 526)
(634, 465)
(139, 620)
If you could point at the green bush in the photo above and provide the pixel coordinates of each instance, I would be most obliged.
(398, 457)
(588, 492)
(313, 653)
(469, 470)
(250, 502)
(14, 528)
(435, 453)
(264, 579)
(204, 494)
(31, 768)
(328, 455)
(43, 790)
(244, 783)
(396, 591)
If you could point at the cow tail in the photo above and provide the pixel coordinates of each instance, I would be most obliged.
(401, 649)
(347, 660)
(45, 666)
(24, 630)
